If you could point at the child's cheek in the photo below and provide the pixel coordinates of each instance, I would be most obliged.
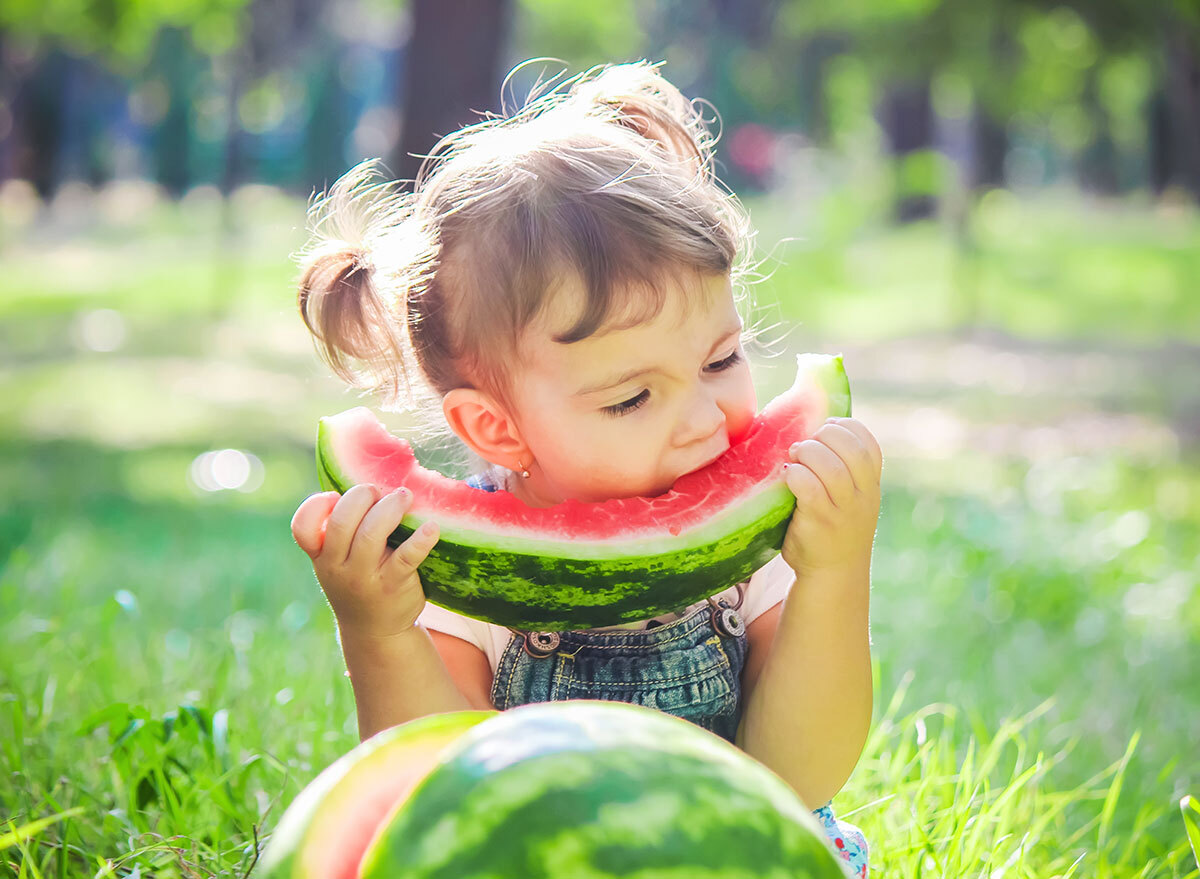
(739, 426)
(740, 416)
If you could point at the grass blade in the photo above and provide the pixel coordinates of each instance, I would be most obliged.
(27, 831)
(1190, 822)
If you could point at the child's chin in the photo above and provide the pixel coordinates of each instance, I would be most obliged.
(624, 491)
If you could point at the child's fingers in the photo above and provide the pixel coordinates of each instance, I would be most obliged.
(849, 447)
(829, 469)
(381, 520)
(868, 440)
(805, 485)
(344, 522)
(408, 555)
(308, 524)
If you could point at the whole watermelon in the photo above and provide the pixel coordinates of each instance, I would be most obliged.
(582, 790)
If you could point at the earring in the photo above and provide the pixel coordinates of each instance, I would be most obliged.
(524, 472)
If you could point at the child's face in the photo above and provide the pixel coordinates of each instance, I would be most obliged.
(598, 431)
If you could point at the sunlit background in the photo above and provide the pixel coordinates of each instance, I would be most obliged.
(991, 208)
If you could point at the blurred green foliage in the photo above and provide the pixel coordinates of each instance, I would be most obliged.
(123, 33)
(1022, 91)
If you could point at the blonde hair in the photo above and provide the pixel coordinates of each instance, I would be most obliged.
(606, 178)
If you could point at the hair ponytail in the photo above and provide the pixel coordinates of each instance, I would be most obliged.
(366, 257)
(342, 309)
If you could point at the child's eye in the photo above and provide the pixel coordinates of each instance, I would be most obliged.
(629, 405)
(731, 360)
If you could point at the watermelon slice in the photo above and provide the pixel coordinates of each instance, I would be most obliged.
(581, 565)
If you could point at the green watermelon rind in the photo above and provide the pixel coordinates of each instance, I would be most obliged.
(544, 592)
(590, 788)
(527, 583)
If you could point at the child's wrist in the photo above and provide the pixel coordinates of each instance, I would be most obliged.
(847, 568)
(377, 638)
(840, 585)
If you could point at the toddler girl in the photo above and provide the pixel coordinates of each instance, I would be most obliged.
(560, 286)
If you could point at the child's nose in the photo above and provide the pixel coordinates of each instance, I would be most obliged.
(701, 419)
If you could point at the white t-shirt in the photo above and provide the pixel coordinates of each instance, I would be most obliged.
(767, 587)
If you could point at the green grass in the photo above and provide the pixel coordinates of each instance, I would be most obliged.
(169, 678)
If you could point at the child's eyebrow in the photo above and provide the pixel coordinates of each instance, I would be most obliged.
(733, 329)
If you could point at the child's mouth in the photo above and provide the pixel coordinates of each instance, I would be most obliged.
(705, 462)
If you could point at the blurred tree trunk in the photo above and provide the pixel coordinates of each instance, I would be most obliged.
(227, 278)
(325, 134)
(173, 138)
(1183, 104)
(990, 139)
(740, 28)
(816, 55)
(281, 37)
(751, 20)
(993, 102)
(278, 32)
(1099, 161)
(451, 67)
(37, 123)
(1162, 158)
(103, 99)
(233, 154)
(907, 118)
(7, 101)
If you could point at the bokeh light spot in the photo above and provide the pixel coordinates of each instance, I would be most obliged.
(127, 600)
(227, 470)
(100, 329)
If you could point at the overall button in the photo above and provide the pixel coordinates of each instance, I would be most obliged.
(541, 643)
(728, 622)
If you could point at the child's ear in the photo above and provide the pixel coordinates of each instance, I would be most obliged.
(485, 426)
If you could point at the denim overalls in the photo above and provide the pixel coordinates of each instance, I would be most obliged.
(690, 667)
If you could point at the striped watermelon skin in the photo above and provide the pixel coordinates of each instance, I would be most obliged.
(545, 581)
(599, 789)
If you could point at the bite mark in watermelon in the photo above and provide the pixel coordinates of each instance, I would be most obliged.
(581, 565)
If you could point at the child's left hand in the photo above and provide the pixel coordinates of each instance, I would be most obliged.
(835, 476)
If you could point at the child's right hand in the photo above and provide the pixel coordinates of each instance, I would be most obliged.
(373, 589)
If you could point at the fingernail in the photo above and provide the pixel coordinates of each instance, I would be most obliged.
(401, 492)
(795, 447)
(427, 529)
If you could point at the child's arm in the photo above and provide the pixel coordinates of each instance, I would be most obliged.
(807, 714)
(398, 678)
(808, 704)
(376, 596)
